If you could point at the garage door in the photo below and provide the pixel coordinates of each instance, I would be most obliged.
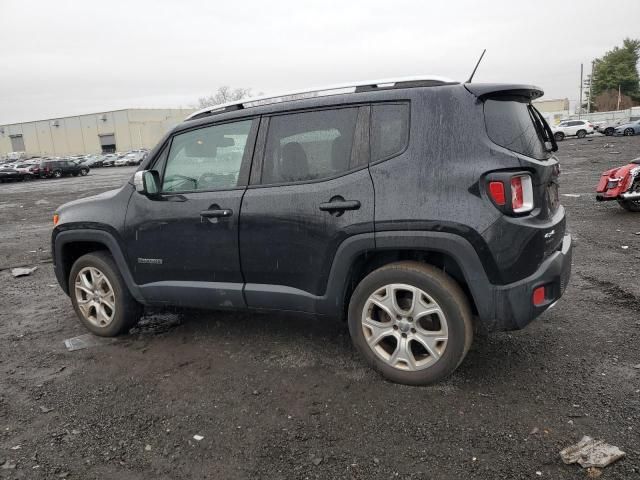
(108, 143)
(17, 143)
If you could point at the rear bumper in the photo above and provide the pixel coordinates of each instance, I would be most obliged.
(514, 308)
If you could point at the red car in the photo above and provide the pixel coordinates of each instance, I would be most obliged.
(621, 184)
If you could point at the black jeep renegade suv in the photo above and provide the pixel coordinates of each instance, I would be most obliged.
(420, 210)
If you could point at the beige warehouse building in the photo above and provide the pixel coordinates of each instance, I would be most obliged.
(105, 132)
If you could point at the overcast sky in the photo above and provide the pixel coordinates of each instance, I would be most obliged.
(60, 58)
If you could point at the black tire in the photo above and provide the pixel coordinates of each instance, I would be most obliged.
(609, 131)
(630, 205)
(629, 132)
(444, 291)
(57, 174)
(127, 309)
(581, 133)
(83, 171)
(559, 136)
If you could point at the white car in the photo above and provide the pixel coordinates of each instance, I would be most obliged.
(122, 161)
(571, 128)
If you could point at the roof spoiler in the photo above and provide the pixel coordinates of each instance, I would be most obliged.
(482, 90)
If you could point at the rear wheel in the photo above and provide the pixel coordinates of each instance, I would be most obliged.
(100, 297)
(559, 136)
(581, 133)
(631, 205)
(84, 171)
(628, 132)
(411, 322)
(57, 174)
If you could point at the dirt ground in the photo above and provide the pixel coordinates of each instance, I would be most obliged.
(286, 396)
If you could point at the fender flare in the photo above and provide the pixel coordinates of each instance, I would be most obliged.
(103, 237)
(455, 246)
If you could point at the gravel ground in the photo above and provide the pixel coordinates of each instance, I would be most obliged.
(285, 396)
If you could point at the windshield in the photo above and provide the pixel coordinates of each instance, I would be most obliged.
(513, 123)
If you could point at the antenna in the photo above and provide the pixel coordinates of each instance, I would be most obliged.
(477, 64)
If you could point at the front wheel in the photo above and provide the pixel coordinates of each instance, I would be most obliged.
(84, 172)
(581, 134)
(411, 322)
(100, 297)
(559, 136)
(609, 131)
(628, 132)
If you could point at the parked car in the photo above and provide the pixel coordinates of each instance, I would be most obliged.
(8, 174)
(628, 129)
(60, 168)
(28, 170)
(93, 161)
(621, 184)
(109, 160)
(570, 128)
(457, 236)
(608, 128)
(122, 161)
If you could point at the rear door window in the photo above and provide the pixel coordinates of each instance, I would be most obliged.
(309, 146)
(389, 130)
(510, 124)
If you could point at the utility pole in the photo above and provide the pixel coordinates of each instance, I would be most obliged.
(618, 107)
(590, 87)
(580, 103)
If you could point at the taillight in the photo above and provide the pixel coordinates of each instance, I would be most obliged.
(496, 190)
(538, 296)
(521, 194)
(56, 219)
(511, 192)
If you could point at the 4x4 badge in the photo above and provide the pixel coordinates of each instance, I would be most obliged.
(549, 234)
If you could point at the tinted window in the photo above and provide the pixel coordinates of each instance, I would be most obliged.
(510, 124)
(206, 159)
(309, 146)
(389, 130)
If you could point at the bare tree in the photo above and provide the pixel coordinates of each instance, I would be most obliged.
(608, 101)
(223, 95)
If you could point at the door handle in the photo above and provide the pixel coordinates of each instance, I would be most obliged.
(340, 205)
(217, 213)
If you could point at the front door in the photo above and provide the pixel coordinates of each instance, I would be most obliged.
(310, 191)
(182, 245)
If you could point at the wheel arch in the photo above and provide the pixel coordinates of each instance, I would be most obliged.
(69, 245)
(449, 252)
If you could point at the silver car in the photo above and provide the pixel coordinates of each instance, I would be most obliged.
(628, 129)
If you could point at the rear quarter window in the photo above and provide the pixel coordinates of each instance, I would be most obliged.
(389, 130)
(509, 124)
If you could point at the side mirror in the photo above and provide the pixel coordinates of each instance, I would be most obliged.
(147, 182)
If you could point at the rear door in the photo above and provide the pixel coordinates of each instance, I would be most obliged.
(310, 190)
(183, 244)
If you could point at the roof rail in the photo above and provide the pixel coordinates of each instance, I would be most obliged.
(341, 89)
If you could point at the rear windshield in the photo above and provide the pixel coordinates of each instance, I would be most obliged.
(512, 123)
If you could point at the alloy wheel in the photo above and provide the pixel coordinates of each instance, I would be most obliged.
(95, 297)
(404, 327)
